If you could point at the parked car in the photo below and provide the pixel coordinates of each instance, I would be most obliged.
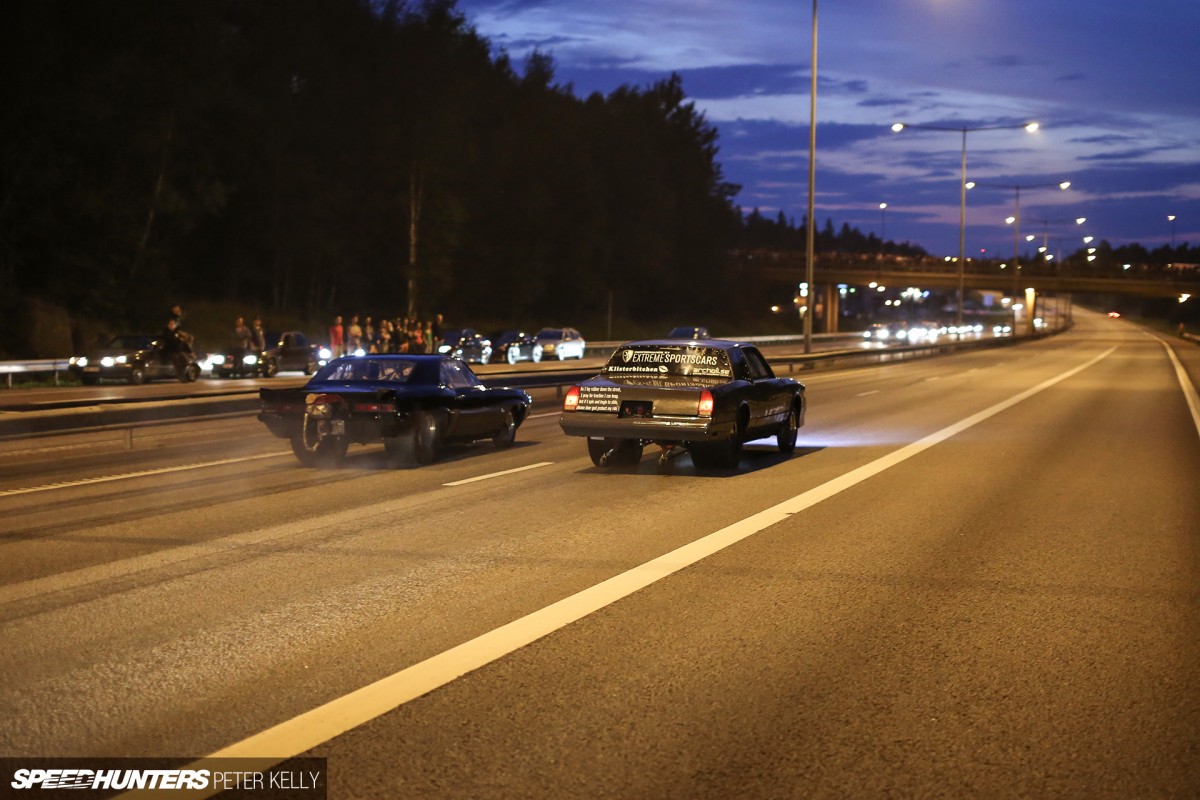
(688, 332)
(561, 343)
(413, 404)
(705, 397)
(136, 359)
(288, 351)
(513, 346)
(466, 344)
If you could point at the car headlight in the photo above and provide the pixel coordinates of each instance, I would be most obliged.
(80, 362)
(444, 348)
(122, 359)
(325, 353)
(359, 352)
(250, 359)
(107, 361)
(866, 334)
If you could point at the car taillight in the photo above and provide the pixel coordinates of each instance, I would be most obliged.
(571, 401)
(705, 406)
(372, 408)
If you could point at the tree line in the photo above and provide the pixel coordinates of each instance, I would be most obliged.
(337, 154)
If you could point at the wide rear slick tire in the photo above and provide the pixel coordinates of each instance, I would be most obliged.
(328, 453)
(614, 452)
(723, 455)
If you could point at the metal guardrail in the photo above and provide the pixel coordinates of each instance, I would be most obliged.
(91, 416)
(36, 367)
(55, 366)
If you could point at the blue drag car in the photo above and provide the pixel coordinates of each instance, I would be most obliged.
(413, 404)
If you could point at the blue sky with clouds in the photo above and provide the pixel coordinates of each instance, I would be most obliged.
(1115, 85)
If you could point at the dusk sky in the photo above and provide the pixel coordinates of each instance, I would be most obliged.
(1114, 84)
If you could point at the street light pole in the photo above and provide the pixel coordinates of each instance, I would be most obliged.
(810, 245)
(1029, 127)
(1015, 219)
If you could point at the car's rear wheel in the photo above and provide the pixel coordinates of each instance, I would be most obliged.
(328, 452)
(614, 452)
(190, 372)
(270, 368)
(786, 437)
(724, 454)
(505, 438)
(427, 437)
(536, 355)
(513, 354)
(137, 376)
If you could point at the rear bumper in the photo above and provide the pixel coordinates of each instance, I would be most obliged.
(657, 429)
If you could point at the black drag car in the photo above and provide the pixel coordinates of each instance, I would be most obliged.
(135, 359)
(287, 351)
(413, 404)
(706, 397)
(514, 346)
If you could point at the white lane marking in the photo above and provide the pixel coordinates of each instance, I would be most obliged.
(864, 394)
(141, 474)
(1185, 383)
(498, 474)
(547, 414)
(319, 725)
(934, 378)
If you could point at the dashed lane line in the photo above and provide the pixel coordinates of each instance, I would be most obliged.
(140, 474)
(498, 474)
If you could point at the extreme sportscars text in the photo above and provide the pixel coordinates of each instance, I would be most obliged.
(666, 357)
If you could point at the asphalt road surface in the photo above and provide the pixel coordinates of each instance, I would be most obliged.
(978, 576)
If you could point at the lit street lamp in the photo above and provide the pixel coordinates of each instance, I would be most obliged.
(1171, 219)
(1015, 219)
(1029, 127)
(1046, 223)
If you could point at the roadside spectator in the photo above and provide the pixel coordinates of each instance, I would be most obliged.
(354, 335)
(417, 337)
(337, 338)
(436, 329)
(258, 337)
(240, 343)
(368, 332)
(173, 344)
(430, 342)
(383, 338)
(177, 314)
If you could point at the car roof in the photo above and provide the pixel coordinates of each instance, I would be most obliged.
(718, 344)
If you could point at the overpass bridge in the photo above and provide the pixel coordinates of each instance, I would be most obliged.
(1145, 280)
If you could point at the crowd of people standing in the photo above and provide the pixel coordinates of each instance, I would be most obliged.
(399, 335)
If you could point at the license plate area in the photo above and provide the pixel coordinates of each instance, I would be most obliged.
(636, 408)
